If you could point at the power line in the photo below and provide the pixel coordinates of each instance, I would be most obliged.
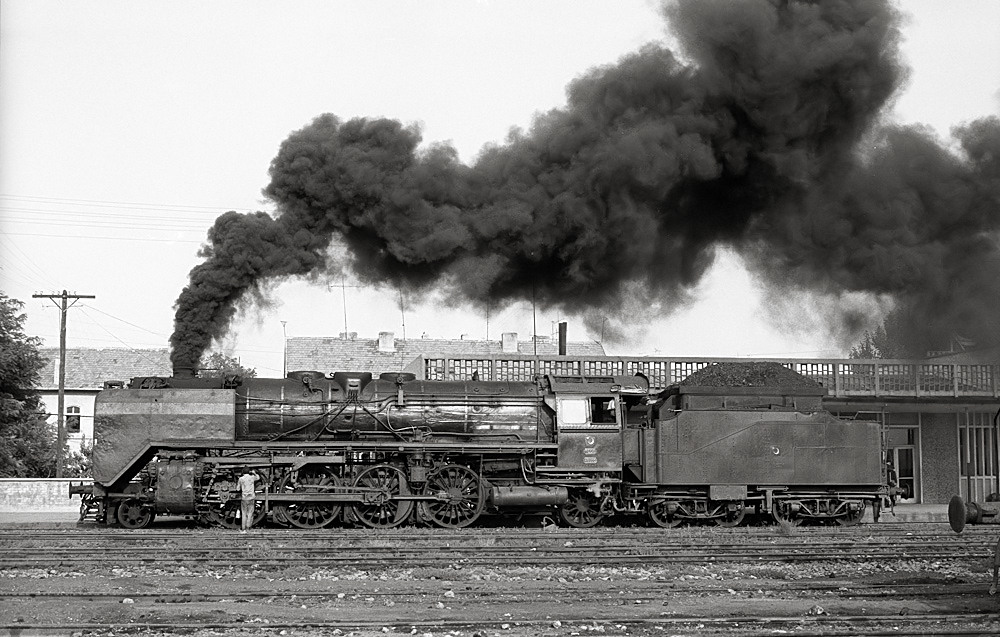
(120, 204)
(91, 307)
(28, 261)
(115, 336)
(76, 236)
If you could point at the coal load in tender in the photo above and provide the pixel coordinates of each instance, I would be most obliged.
(748, 374)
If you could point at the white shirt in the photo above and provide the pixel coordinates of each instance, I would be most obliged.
(246, 483)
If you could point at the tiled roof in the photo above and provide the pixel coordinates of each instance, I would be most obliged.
(330, 354)
(89, 368)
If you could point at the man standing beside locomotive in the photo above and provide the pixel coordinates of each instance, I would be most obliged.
(248, 499)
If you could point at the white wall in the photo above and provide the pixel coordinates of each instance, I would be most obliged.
(85, 401)
(22, 495)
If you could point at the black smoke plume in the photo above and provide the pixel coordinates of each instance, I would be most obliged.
(764, 137)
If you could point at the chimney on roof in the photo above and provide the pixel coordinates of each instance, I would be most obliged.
(386, 342)
(508, 342)
(562, 338)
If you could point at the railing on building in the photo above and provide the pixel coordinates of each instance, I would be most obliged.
(842, 377)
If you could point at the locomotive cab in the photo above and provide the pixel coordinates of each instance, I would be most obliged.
(592, 413)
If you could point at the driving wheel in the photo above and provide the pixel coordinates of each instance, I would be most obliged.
(226, 512)
(379, 486)
(308, 515)
(461, 496)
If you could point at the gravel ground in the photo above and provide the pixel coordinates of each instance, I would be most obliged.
(456, 600)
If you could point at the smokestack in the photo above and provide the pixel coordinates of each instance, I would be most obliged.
(508, 342)
(386, 342)
(185, 372)
(562, 338)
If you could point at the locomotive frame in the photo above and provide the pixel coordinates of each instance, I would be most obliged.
(379, 453)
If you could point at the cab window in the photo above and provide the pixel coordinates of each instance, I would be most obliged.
(586, 413)
(573, 412)
(602, 411)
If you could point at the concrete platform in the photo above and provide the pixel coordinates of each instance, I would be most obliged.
(904, 513)
(41, 519)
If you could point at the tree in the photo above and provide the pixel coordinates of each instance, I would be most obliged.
(80, 463)
(217, 364)
(27, 441)
(889, 340)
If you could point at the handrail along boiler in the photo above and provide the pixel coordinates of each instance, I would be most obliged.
(389, 450)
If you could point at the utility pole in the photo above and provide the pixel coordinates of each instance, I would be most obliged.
(63, 305)
(343, 294)
(284, 351)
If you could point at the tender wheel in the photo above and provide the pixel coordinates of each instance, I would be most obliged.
(379, 485)
(465, 496)
(731, 518)
(133, 514)
(850, 518)
(582, 510)
(308, 515)
(783, 514)
(659, 514)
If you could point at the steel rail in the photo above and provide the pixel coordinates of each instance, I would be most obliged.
(181, 527)
(812, 626)
(654, 592)
(386, 561)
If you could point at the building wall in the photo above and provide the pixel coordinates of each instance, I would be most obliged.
(939, 457)
(85, 402)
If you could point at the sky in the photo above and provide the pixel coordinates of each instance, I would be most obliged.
(126, 128)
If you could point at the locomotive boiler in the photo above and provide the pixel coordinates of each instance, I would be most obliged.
(351, 448)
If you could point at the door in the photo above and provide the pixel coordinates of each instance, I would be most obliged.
(903, 458)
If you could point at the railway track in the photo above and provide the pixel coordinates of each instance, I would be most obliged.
(472, 547)
(957, 624)
(867, 580)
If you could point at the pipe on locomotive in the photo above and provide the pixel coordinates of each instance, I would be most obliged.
(961, 513)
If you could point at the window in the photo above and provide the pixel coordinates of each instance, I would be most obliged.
(602, 410)
(573, 412)
(73, 420)
(587, 413)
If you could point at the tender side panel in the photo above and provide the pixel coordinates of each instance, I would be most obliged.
(126, 420)
(766, 448)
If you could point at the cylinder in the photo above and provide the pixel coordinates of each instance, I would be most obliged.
(528, 496)
(961, 513)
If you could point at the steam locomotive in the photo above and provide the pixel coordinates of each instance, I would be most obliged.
(351, 448)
